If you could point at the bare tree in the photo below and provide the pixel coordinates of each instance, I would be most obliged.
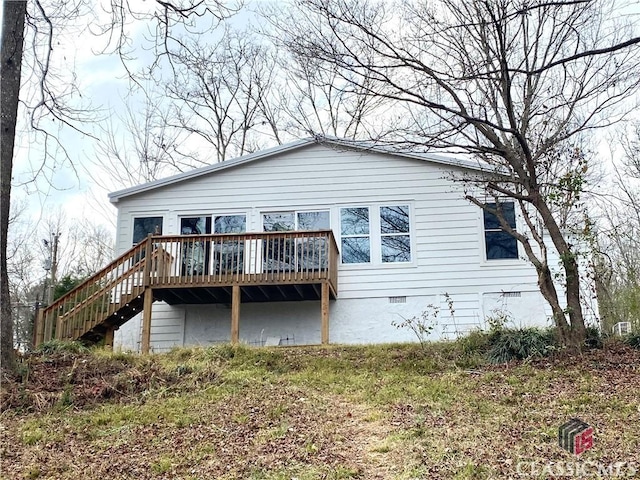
(157, 27)
(48, 98)
(219, 91)
(515, 84)
(618, 236)
(139, 146)
(13, 15)
(318, 100)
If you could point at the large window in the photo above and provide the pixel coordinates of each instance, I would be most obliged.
(354, 232)
(195, 254)
(229, 254)
(395, 238)
(143, 226)
(361, 244)
(499, 245)
(282, 254)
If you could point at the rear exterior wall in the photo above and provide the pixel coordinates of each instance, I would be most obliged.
(447, 268)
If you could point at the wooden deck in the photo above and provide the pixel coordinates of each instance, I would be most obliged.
(197, 269)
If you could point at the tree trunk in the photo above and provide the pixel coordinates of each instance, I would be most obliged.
(572, 334)
(13, 16)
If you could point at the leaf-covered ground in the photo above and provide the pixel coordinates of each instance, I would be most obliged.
(383, 412)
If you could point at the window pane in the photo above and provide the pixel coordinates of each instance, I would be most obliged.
(195, 225)
(278, 254)
(278, 222)
(354, 221)
(394, 219)
(500, 245)
(356, 250)
(313, 221)
(312, 253)
(230, 224)
(396, 248)
(491, 222)
(195, 255)
(229, 255)
(144, 226)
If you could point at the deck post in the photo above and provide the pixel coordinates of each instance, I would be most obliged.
(38, 331)
(146, 320)
(324, 306)
(108, 338)
(58, 333)
(235, 314)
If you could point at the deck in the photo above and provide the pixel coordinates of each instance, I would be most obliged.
(197, 269)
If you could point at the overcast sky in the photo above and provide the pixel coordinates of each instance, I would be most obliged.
(105, 91)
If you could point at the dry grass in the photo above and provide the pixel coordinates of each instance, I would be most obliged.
(382, 412)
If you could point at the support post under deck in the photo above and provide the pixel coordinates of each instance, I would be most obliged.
(324, 306)
(108, 338)
(146, 320)
(235, 314)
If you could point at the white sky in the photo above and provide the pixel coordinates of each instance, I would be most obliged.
(103, 85)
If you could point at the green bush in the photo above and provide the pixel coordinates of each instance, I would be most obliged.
(633, 340)
(475, 342)
(520, 344)
(59, 346)
(594, 338)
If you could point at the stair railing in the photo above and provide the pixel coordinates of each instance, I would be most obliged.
(97, 298)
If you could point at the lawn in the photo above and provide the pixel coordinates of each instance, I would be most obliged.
(335, 412)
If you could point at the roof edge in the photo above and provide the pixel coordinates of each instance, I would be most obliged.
(116, 196)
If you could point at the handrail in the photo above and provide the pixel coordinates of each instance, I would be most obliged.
(92, 301)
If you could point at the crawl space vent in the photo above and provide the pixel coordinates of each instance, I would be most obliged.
(512, 294)
(397, 299)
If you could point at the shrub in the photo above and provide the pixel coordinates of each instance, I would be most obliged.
(520, 344)
(633, 340)
(594, 338)
(59, 346)
(475, 342)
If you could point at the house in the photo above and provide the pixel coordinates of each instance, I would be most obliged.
(319, 240)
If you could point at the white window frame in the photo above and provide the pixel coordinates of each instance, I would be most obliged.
(398, 234)
(295, 212)
(375, 235)
(498, 262)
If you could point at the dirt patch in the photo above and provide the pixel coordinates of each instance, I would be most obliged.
(64, 379)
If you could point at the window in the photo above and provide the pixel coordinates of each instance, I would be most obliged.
(143, 226)
(229, 254)
(313, 252)
(195, 254)
(499, 245)
(284, 254)
(313, 221)
(395, 238)
(391, 239)
(230, 224)
(354, 231)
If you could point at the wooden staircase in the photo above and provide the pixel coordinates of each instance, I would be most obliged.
(106, 300)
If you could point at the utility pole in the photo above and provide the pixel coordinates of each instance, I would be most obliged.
(54, 266)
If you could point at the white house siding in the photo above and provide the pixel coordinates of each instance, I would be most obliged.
(167, 330)
(447, 238)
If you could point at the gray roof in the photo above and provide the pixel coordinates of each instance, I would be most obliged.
(114, 197)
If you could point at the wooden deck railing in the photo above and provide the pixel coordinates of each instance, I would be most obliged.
(244, 258)
(114, 295)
